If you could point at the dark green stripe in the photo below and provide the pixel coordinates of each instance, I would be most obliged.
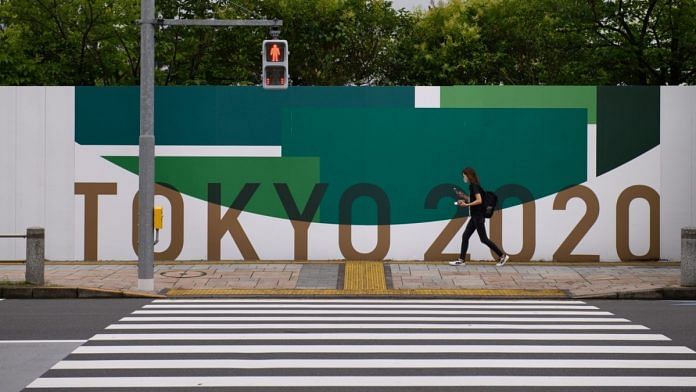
(211, 115)
(628, 124)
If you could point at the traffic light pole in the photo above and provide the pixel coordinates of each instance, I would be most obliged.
(146, 153)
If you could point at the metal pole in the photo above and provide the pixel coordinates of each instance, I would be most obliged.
(146, 157)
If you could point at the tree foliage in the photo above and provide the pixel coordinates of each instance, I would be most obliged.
(339, 42)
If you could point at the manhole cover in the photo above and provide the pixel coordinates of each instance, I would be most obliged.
(183, 274)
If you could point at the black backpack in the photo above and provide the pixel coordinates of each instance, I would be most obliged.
(490, 201)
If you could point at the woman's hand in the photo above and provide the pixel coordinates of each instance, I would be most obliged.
(462, 195)
(461, 203)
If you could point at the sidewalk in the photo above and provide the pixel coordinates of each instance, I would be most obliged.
(392, 278)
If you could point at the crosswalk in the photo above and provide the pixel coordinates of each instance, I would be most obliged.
(372, 344)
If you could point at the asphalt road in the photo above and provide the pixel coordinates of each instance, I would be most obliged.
(347, 345)
(36, 334)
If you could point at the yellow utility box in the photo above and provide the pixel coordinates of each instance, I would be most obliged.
(158, 217)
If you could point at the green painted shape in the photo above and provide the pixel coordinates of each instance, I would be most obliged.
(540, 97)
(628, 124)
(191, 176)
(213, 115)
(407, 152)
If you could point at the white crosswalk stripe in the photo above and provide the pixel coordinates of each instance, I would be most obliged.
(325, 344)
(370, 306)
(286, 326)
(378, 311)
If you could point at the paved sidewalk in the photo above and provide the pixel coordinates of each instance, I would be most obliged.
(577, 280)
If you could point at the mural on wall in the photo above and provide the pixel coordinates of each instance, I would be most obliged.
(367, 173)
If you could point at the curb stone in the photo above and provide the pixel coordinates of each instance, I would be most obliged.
(17, 292)
(54, 292)
(654, 294)
(664, 293)
(69, 292)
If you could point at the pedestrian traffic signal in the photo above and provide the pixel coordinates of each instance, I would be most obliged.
(275, 64)
(275, 51)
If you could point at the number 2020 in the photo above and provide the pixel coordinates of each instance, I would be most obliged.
(565, 250)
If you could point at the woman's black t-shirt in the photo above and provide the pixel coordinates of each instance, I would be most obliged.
(477, 210)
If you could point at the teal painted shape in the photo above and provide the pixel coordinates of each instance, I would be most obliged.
(213, 115)
(407, 152)
(628, 124)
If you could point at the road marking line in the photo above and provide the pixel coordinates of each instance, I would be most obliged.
(435, 349)
(380, 336)
(379, 312)
(340, 318)
(373, 300)
(361, 381)
(377, 326)
(360, 306)
(377, 363)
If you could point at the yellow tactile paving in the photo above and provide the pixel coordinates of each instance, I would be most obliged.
(364, 276)
(370, 293)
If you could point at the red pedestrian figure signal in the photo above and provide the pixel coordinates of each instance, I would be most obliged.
(275, 53)
(275, 64)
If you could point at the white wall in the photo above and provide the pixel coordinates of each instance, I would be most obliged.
(8, 137)
(678, 165)
(40, 162)
(37, 168)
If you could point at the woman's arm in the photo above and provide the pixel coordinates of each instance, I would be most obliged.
(478, 200)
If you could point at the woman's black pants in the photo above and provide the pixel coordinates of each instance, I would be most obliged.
(477, 223)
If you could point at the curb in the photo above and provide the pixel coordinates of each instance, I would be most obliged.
(40, 292)
(654, 294)
(664, 293)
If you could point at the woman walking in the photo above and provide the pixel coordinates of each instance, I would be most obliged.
(477, 218)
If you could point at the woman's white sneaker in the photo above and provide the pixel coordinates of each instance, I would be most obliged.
(458, 262)
(504, 259)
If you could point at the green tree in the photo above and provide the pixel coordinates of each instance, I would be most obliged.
(442, 47)
(534, 42)
(339, 42)
(645, 41)
(69, 42)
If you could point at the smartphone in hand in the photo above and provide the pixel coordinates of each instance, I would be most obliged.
(460, 194)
